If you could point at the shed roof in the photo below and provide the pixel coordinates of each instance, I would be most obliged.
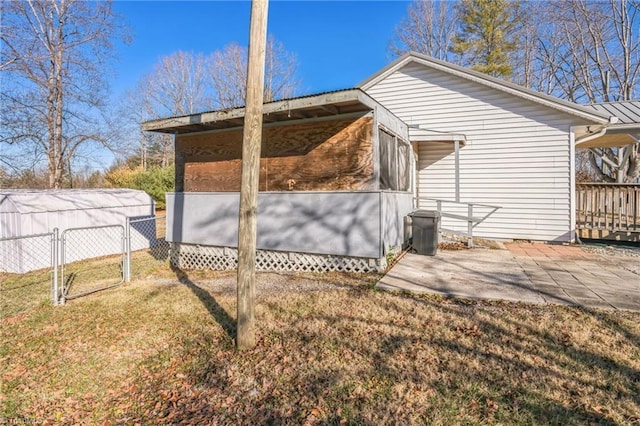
(581, 111)
(50, 200)
(324, 104)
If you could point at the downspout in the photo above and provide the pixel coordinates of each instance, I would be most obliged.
(572, 184)
(573, 142)
(573, 234)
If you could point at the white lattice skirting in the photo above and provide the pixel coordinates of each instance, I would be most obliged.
(187, 256)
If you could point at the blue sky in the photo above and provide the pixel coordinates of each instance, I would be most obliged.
(337, 43)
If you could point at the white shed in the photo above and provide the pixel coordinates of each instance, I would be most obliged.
(33, 212)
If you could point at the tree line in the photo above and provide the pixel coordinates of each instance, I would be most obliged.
(55, 58)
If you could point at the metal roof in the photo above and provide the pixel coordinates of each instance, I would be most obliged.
(317, 105)
(626, 131)
(574, 109)
(51, 200)
(628, 112)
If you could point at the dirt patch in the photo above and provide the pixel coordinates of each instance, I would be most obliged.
(453, 245)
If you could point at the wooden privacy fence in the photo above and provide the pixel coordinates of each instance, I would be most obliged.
(608, 206)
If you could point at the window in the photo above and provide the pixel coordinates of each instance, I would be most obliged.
(404, 170)
(394, 162)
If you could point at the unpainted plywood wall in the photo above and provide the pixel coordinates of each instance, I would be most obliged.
(325, 155)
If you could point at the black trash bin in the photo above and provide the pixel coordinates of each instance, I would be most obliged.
(425, 225)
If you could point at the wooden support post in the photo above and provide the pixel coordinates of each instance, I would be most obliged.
(251, 141)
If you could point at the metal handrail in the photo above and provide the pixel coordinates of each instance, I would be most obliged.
(472, 221)
(461, 202)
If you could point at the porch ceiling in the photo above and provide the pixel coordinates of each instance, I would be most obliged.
(610, 140)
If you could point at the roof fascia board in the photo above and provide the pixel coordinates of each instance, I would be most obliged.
(271, 107)
(386, 71)
(268, 108)
(310, 101)
(624, 128)
(477, 77)
(365, 99)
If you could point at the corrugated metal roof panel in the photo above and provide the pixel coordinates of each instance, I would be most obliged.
(31, 201)
(628, 112)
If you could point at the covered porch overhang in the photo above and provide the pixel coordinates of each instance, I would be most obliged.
(623, 128)
(614, 136)
(319, 106)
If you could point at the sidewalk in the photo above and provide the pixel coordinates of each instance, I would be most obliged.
(525, 272)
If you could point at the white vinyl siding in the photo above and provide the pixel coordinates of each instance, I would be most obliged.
(517, 154)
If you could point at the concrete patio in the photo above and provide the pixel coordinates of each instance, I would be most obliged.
(523, 272)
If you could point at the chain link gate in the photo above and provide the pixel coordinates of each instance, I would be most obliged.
(92, 259)
(147, 248)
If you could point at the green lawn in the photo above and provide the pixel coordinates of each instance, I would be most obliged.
(160, 351)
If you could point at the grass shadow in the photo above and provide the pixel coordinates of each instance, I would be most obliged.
(218, 313)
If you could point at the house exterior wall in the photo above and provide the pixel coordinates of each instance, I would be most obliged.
(395, 207)
(340, 223)
(517, 154)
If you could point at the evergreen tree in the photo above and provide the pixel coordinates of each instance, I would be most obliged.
(487, 35)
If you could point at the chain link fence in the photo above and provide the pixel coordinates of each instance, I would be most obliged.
(79, 261)
(28, 270)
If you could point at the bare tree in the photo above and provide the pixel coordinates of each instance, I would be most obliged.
(593, 49)
(528, 69)
(177, 85)
(54, 55)
(185, 83)
(228, 73)
(428, 28)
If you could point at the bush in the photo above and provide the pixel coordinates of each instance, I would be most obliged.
(155, 181)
